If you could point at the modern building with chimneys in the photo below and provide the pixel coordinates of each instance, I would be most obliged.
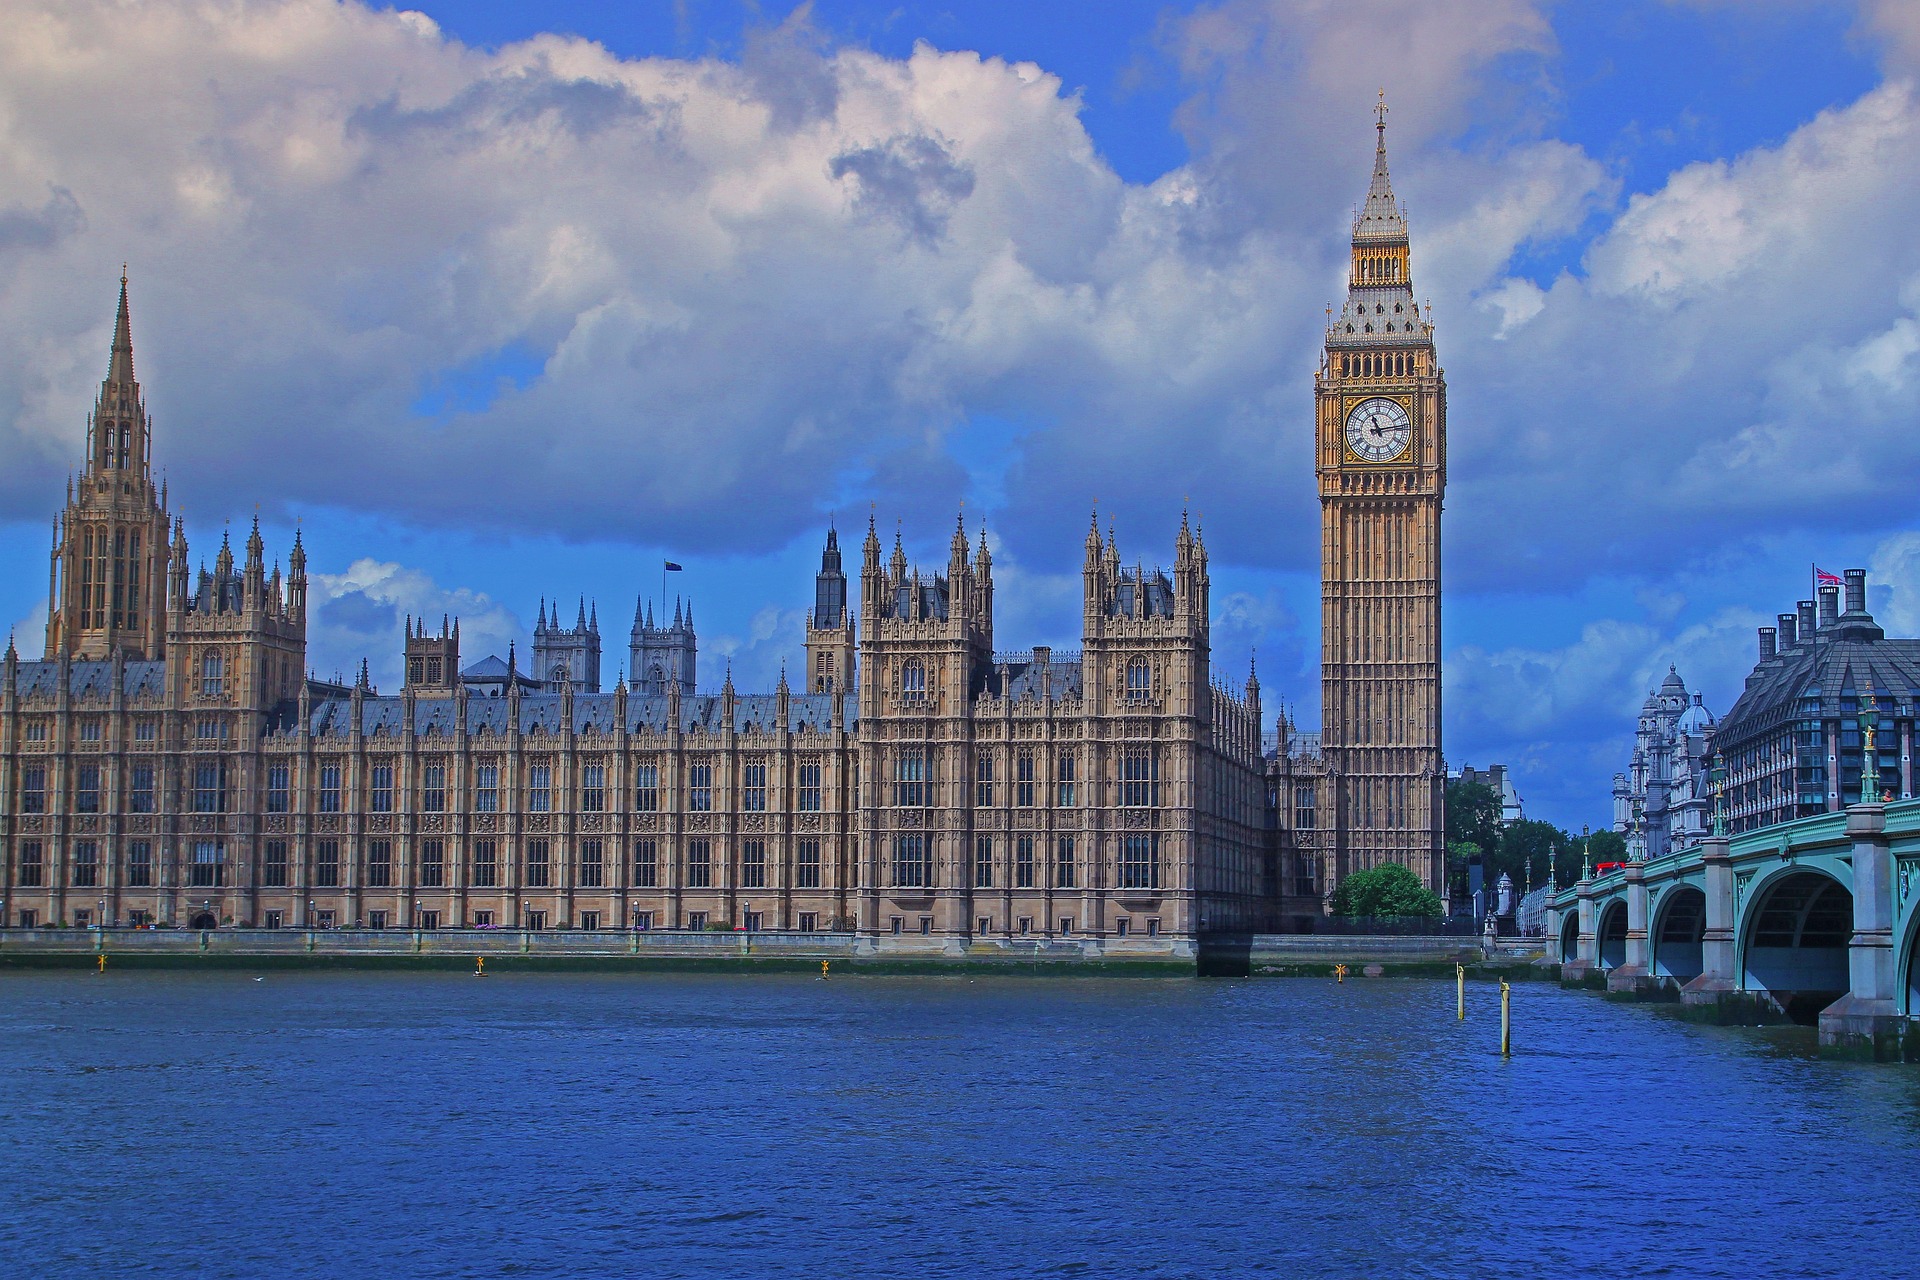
(1793, 742)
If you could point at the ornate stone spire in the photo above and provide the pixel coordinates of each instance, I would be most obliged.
(1380, 220)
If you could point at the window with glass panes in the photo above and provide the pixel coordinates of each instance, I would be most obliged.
(753, 864)
(646, 865)
(208, 868)
(380, 864)
(32, 868)
(593, 864)
(983, 862)
(539, 864)
(753, 786)
(593, 787)
(540, 787)
(33, 788)
(381, 791)
(326, 864)
(910, 777)
(700, 788)
(646, 788)
(699, 864)
(1023, 870)
(1140, 862)
(433, 864)
(210, 786)
(273, 868)
(329, 788)
(279, 793)
(1139, 777)
(1064, 781)
(433, 787)
(806, 869)
(912, 862)
(140, 789)
(1063, 864)
(809, 786)
(486, 864)
(983, 781)
(1023, 780)
(86, 864)
(486, 787)
(140, 864)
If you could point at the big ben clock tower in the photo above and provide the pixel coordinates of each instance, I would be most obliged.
(1381, 458)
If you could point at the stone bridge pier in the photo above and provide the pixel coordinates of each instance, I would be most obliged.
(1866, 1021)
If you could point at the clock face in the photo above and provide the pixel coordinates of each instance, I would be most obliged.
(1378, 430)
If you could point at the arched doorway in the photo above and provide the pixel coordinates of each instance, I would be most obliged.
(1613, 935)
(204, 920)
(1677, 938)
(1570, 938)
(1796, 943)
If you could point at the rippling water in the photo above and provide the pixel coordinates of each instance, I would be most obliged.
(442, 1125)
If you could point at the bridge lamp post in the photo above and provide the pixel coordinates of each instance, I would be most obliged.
(1869, 752)
(1718, 776)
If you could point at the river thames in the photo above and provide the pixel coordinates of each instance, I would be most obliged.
(318, 1125)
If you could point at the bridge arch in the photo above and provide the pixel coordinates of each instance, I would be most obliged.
(1794, 940)
(1679, 929)
(1570, 937)
(1610, 934)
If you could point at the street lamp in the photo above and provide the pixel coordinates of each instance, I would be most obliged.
(1718, 776)
(309, 913)
(100, 919)
(1869, 752)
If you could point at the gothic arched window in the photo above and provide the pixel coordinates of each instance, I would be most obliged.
(212, 675)
(913, 682)
(1139, 679)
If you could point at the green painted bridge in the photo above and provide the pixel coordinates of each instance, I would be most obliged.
(1816, 920)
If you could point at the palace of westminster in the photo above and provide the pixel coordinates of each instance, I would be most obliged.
(170, 760)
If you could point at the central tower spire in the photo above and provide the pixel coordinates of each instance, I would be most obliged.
(110, 550)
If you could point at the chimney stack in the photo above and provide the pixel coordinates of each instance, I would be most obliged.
(1806, 621)
(1829, 607)
(1856, 591)
(1766, 643)
(1788, 638)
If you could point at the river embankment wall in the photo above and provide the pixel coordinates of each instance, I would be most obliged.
(1259, 955)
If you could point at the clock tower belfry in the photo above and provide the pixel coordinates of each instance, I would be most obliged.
(1380, 456)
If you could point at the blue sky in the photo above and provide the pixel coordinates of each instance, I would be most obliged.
(506, 302)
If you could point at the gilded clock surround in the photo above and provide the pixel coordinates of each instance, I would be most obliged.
(1400, 458)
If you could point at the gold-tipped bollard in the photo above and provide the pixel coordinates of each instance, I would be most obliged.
(1340, 973)
(1460, 991)
(823, 968)
(1506, 1019)
(103, 963)
(479, 966)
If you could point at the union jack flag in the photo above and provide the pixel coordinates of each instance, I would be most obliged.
(1821, 578)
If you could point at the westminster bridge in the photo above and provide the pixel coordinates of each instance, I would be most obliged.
(1815, 920)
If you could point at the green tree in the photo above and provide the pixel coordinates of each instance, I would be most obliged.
(1386, 890)
(1473, 815)
(1526, 843)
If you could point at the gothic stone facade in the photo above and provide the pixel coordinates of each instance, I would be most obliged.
(169, 761)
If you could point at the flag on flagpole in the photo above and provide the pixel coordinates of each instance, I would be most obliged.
(671, 567)
(1821, 578)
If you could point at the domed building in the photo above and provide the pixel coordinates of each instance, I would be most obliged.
(1664, 796)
